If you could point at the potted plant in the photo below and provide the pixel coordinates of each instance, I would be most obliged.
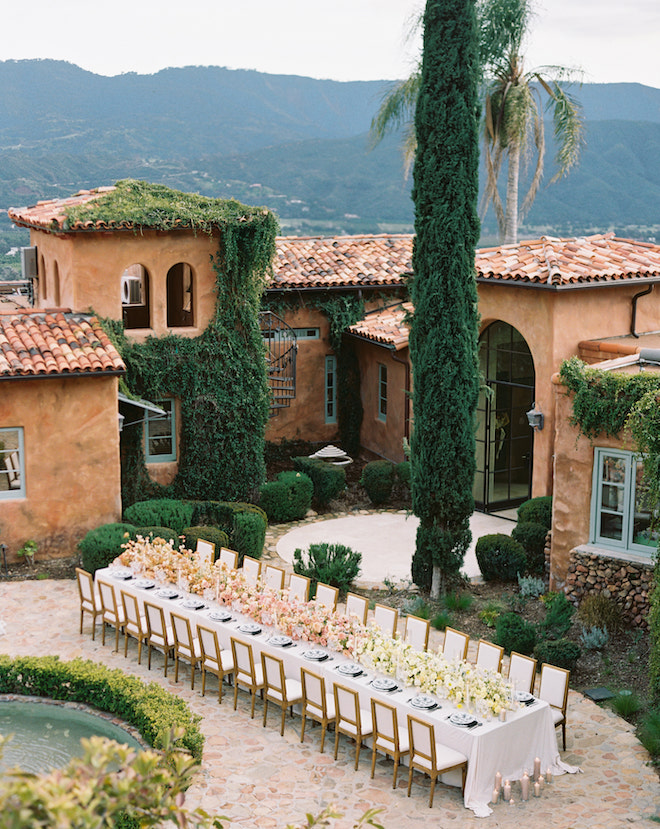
(28, 550)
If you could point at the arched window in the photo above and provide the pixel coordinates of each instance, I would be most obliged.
(43, 281)
(56, 285)
(180, 296)
(135, 297)
(504, 439)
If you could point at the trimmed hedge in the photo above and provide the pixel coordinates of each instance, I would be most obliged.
(163, 512)
(146, 706)
(378, 479)
(537, 510)
(166, 533)
(532, 537)
(329, 480)
(500, 557)
(213, 534)
(288, 498)
(403, 473)
(249, 535)
(560, 652)
(103, 544)
(514, 633)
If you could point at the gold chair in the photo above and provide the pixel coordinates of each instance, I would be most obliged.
(88, 598)
(350, 718)
(417, 632)
(246, 673)
(318, 704)
(274, 577)
(299, 588)
(431, 757)
(186, 646)
(386, 618)
(522, 671)
(135, 624)
(489, 656)
(215, 659)
(554, 690)
(388, 737)
(159, 635)
(455, 644)
(251, 570)
(278, 688)
(229, 558)
(327, 596)
(357, 606)
(205, 550)
(113, 614)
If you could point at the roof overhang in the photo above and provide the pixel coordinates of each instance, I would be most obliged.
(140, 404)
(570, 286)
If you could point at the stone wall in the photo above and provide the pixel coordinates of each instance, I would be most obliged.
(626, 583)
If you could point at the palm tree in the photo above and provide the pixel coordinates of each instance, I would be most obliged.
(512, 99)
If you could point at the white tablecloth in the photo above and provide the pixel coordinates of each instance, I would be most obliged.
(509, 747)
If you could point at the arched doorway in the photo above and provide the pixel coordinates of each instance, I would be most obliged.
(504, 438)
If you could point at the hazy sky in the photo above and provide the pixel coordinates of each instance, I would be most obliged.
(611, 40)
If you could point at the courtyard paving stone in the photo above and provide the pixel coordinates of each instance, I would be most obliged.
(260, 780)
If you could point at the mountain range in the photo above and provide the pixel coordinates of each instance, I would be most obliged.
(298, 145)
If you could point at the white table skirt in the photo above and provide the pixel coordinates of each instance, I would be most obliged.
(508, 747)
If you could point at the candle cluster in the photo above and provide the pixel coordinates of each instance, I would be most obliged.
(529, 785)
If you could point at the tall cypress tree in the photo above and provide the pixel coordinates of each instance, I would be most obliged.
(443, 334)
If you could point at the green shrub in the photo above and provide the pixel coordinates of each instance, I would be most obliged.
(163, 512)
(288, 498)
(500, 557)
(249, 534)
(416, 606)
(329, 480)
(532, 537)
(490, 614)
(403, 472)
(531, 587)
(147, 706)
(166, 533)
(626, 704)
(558, 616)
(103, 544)
(599, 611)
(459, 602)
(214, 535)
(332, 564)
(514, 633)
(378, 479)
(594, 639)
(560, 652)
(442, 620)
(537, 510)
(649, 733)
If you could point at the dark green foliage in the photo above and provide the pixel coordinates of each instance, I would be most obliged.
(598, 611)
(164, 512)
(532, 537)
(537, 510)
(514, 633)
(212, 534)
(500, 557)
(654, 631)
(558, 616)
(329, 480)
(443, 333)
(442, 620)
(349, 398)
(103, 544)
(222, 513)
(249, 534)
(166, 533)
(378, 480)
(288, 498)
(148, 707)
(563, 653)
(649, 733)
(403, 473)
(332, 564)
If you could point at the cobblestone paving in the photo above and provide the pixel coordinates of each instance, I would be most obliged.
(260, 780)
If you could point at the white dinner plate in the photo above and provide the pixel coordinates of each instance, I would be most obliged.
(316, 655)
(250, 627)
(145, 584)
(422, 701)
(167, 593)
(350, 669)
(280, 641)
(384, 684)
(523, 696)
(461, 718)
(124, 575)
(193, 604)
(219, 615)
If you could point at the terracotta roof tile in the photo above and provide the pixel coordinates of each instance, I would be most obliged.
(342, 261)
(387, 326)
(51, 214)
(42, 343)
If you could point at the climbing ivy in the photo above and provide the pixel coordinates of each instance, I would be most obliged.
(219, 377)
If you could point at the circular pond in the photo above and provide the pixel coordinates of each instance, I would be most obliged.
(47, 736)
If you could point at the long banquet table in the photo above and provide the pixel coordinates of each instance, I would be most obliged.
(509, 747)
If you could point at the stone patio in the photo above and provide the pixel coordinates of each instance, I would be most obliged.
(258, 779)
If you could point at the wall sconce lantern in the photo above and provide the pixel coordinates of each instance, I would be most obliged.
(535, 418)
